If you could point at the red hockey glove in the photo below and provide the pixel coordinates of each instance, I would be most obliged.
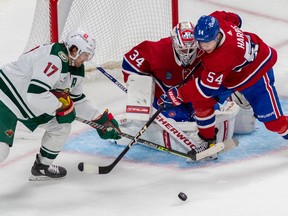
(66, 113)
(112, 130)
(170, 99)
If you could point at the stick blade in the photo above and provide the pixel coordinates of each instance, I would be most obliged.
(230, 144)
(105, 169)
(210, 151)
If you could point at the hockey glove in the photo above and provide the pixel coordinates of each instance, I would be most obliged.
(66, 113)
(112, 130)
(170, 99)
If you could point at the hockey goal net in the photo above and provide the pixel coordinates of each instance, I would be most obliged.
(116, 25)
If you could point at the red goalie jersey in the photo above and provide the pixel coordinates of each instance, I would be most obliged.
(157, 59)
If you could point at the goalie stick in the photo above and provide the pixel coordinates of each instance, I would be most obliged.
(229, 144)
(107, 169)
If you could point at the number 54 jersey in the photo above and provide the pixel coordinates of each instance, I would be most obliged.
(25, 84)
(240, 59)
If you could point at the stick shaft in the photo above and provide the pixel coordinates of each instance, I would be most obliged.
(107, 169)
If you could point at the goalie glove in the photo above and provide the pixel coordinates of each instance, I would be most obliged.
(112, 130)
(66, 113)
(170, 99)
(240, 100)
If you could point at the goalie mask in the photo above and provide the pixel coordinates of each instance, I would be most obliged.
(83, 41)
(184, 46)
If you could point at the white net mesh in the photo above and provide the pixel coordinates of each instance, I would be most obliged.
(116, 25)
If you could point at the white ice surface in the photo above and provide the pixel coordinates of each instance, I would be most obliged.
(250, 180)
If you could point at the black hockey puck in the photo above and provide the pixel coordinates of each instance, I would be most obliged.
(80, 166)
(182, 196)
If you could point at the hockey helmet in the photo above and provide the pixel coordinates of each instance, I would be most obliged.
(82, 40)
(183, 43)
(206, 29)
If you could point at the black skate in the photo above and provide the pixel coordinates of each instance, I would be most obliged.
(42, 172)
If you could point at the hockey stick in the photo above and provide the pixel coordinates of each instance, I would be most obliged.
(106, 169)
(229, 144)
(217, 148)
(178, 134)
(161, 120)
(141, 141)
(109, 76)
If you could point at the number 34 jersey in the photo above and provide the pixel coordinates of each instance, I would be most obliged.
(156, 58)
(25, 84)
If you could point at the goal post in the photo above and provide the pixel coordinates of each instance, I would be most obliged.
(116, 25)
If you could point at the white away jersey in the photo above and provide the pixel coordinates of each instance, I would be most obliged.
(26, 83)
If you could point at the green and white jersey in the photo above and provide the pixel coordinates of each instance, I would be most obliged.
(26, 83)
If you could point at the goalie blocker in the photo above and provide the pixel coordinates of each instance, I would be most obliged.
(141, 95)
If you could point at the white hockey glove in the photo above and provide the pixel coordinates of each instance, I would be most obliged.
(240, 100)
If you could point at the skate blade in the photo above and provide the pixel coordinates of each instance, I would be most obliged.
(43, 178)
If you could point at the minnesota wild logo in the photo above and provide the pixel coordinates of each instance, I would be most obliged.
(9, 132)
(63, 56)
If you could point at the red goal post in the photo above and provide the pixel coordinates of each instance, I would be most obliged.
(116, 25)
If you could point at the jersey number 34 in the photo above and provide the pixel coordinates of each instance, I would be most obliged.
(134, 57)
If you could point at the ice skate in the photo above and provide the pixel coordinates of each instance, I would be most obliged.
(41, 172)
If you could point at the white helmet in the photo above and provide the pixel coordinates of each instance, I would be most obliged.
(184, 46)
(82, 40)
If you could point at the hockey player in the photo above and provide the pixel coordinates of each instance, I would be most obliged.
(169, 61)
(44, 88)
(238, 61)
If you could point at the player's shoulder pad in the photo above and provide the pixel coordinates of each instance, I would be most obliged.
(59, 50)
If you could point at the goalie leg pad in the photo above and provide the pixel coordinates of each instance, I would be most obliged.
(140, 97)
(225, 120)
(154, 134)
(245, 121)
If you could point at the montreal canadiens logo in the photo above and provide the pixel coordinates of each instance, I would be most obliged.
(172, 114)
(187, 35)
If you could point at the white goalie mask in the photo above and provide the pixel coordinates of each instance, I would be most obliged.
(83, 41)
(184, 46)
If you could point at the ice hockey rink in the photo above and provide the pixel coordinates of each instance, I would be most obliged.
(250, 180)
